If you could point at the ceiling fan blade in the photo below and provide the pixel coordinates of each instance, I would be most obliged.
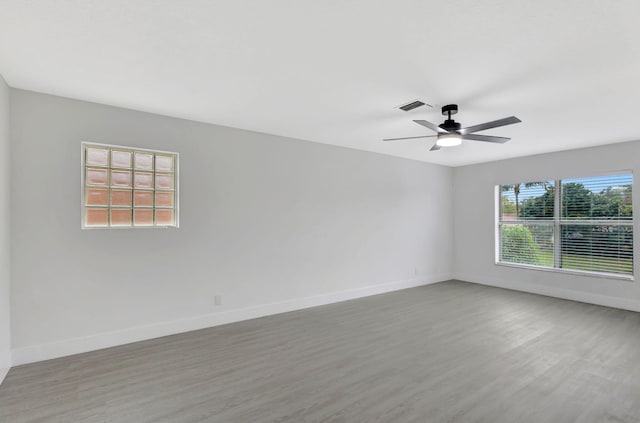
(431, 126)
(408, 138)
(488, 125)
(485, 138)
(435, 147)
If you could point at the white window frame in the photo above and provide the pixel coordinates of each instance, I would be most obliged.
(557, 225)
(176, 191)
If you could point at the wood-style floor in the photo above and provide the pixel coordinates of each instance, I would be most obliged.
(449, 352)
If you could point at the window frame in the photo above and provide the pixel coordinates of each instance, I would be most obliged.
(83, 186)
(557, 223)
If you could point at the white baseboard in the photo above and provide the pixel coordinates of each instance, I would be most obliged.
(72, 346)
(5, 364)
(567, 294)
(3, 373)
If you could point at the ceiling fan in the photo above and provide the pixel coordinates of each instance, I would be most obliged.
(450, 133)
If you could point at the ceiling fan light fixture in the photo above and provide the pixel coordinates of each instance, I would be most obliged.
(449, 140)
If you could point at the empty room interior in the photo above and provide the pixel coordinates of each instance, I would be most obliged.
(308, 211)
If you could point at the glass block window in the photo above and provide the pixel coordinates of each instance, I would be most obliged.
(125, 187)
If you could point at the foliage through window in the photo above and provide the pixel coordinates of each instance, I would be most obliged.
(128, 187)
(582, 224)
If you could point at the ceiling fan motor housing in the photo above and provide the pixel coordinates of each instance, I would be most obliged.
(450, 125)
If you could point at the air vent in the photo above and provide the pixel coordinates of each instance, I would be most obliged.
(412, 105)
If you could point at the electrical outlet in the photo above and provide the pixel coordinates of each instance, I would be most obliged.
(218, 300)
(415, 271)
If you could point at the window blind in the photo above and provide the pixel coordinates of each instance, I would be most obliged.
(583, 224)
(526, 223)
(596, 224)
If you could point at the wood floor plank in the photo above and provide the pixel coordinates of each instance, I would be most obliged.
(448, 352)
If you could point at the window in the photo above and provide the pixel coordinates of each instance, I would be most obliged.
(580, 225)
(128, 187)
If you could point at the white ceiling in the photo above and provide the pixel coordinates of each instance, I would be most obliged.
(333, 71)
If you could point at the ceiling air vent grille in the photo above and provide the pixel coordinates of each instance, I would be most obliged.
(412, 105)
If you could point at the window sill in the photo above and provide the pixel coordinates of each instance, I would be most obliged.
(602, 275)
(92, 228)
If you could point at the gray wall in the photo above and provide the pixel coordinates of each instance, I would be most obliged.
(270, 224)
(266, 222)
(474, 205)
(5, 224)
